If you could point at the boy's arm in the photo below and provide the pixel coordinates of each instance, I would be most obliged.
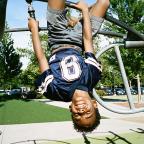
(42, 60)
(87, 32)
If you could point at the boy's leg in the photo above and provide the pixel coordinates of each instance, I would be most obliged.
(99, 8)
(56, 4)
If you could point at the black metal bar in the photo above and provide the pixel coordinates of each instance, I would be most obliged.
(67, 2)
(23, 29)
(125, 26)
(3, 5)
(108, 33)
(29, 1)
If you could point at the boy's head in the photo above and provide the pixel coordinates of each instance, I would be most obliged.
(84, 111)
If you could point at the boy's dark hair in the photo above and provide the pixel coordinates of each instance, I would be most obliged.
(88, 129)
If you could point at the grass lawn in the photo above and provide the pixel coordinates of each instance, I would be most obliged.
(127, 138)
(17, 111)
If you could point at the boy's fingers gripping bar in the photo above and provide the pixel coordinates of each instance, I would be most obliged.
(31, 11)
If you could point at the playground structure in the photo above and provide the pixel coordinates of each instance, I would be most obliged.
(132, 39)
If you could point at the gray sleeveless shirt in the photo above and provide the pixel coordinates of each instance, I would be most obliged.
(59, 33)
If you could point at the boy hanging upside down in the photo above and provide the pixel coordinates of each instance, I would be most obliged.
(68, 75)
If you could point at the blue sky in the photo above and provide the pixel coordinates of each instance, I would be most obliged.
(17, 16)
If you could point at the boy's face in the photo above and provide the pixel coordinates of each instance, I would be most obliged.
(83, 110)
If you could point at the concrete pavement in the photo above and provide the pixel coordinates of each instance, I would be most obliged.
(55, 131)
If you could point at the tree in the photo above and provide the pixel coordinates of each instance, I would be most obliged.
(30, 74)
(132, 13)
(9, 60)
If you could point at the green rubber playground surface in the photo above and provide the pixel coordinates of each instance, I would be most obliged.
(17, 111)
(112, 138)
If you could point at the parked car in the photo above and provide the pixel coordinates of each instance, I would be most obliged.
(15, 91)
(133, 91)
(2, 92)
(136, 89)
(21, 90)
(7, 92)
(142, 90)
(108, 91)
(120, 91)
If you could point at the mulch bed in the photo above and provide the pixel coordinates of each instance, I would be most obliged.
(137, 119)
(126, 104)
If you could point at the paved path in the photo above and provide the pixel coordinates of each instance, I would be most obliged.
(60, 131)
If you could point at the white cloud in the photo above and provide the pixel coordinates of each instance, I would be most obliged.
(21, 39)
(25, 62)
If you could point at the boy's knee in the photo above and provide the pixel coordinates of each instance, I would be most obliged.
(105, 3)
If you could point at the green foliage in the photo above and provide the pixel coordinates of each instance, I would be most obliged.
(9, 60)
(29, 75)
(101, 92)
(44, 42)
(130, 12)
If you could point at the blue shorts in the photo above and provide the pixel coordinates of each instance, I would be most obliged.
(68, 71)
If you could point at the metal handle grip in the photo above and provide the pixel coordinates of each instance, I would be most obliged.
(31, 12)
(134, 44)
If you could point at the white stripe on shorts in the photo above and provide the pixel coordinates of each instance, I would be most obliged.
(93, 62)
(43, 87)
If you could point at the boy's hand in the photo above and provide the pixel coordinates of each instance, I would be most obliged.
(33, 25)
(81, 5)
(72, 22)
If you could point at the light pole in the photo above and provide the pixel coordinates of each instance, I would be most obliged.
(138, 88)
(113, 78)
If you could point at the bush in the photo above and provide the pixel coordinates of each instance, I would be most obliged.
(33, 95)
(101, 92)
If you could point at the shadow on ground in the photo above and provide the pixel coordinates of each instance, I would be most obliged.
(111, 138)
(139, 130)
(5, 98)
(40, 140)
(114, 137)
